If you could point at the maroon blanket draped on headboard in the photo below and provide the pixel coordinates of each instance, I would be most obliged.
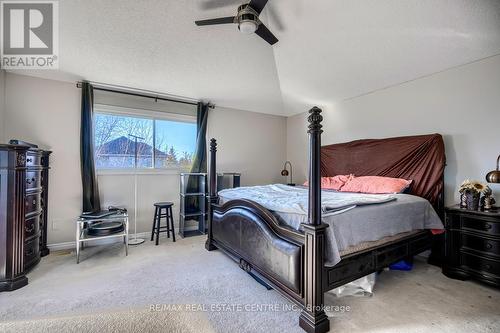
(419, 158)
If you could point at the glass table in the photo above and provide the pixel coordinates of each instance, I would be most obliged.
(83, 223)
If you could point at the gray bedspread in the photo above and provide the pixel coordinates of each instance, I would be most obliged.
(366, 222)
(295, 200)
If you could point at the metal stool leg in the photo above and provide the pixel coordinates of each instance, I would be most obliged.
(154, 222)
(126, 236)
(171, 215)
(78, 233)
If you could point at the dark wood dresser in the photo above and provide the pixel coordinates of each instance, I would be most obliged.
(472, 245)
(23, 212)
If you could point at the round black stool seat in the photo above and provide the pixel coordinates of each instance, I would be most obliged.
(164, 204)
(104, 228)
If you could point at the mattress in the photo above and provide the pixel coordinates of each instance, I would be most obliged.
(371, 245)
(367, 223)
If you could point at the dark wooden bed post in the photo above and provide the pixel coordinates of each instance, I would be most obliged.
(212, 195)
(313, 317)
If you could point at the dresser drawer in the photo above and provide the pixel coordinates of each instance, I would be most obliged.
(488, 246)
(362, 266)
(480, 264)
(391, 255)
(32, 203)
(44, 160)
(33, 179)
(31, 227)
(31, 252)
(490, 227)
(33, 159)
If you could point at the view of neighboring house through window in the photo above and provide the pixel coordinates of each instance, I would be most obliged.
(160, 143)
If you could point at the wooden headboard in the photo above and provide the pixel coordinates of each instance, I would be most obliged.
(419, 158)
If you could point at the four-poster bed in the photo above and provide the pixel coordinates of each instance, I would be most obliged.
(293, 261)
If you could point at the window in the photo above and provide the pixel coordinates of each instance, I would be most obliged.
(175, 142)
(130, 141)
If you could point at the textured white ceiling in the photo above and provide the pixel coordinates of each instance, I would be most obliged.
(329, 50)
(335, 50)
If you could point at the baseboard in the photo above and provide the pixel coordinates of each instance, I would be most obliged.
(61, 246)
(72, 245)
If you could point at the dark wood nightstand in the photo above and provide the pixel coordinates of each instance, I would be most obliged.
(472, 245)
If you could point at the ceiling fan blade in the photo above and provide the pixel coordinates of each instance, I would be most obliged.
(258, 5)
(212, 4)
(220, 20)
(267, 35)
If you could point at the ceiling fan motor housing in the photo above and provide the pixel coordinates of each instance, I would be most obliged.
(247, 14)
(247, 19)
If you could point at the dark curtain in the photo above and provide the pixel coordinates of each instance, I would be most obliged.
(200, 155)
(199, 159)
(91, 202)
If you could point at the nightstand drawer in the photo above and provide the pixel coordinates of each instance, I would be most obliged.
(480, 264)
(482, 225)
(491, 247)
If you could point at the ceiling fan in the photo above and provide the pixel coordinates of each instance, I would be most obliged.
(247, 19)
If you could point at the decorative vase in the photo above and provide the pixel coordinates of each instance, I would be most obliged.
(472, 200)
(463, 201)
(489, 201)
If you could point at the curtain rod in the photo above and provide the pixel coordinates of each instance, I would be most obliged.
(141, 93)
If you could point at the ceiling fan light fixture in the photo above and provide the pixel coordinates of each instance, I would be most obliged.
(247, 26)
(247, 18)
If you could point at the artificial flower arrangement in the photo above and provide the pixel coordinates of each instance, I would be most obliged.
(470, 194)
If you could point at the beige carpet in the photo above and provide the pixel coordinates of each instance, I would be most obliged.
(118, 321)
(109, 292)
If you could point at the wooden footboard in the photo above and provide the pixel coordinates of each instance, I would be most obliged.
(254, 238)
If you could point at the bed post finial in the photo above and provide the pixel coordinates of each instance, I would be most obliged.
(315, 118)
(313, 317)
(212, 193)
(213, 144)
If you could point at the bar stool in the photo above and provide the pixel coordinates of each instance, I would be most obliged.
(157, 228)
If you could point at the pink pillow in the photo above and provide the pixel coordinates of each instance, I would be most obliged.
(376, 184)
(333, 183)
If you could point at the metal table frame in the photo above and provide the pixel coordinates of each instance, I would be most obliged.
(82, 236)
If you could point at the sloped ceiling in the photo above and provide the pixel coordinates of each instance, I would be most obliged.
(335, 50)
(329, 50)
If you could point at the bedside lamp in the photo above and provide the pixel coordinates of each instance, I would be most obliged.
(492, 176)
(285, 172)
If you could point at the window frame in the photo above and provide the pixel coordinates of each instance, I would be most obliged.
(144, 114)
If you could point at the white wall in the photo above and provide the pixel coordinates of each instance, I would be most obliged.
(462, 104)
(253, 144)
(47, 112)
